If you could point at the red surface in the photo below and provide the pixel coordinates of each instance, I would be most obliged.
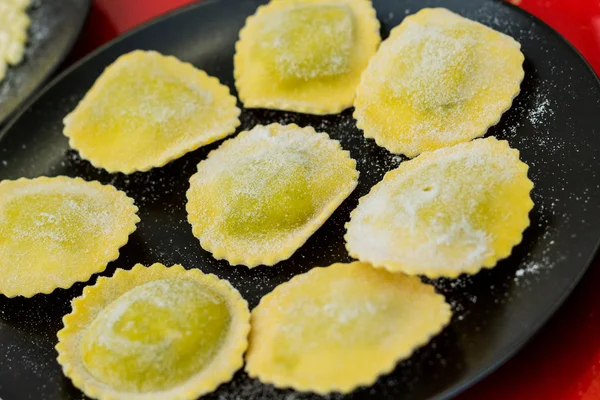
(563, 361)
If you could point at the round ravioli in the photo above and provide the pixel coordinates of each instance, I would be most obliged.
(147, 109)
(154, 333)
(305, 55)
(58, 231)
(257, 198)
(340, 327)
(438, 80)
(447, 212)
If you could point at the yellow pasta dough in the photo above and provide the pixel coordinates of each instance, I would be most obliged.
(340, 327)
(154, 333)
(147, 109)
(305, 55)
(438, 80)
(58, 231)
(257, 198)
(14, 23)
(451, 211)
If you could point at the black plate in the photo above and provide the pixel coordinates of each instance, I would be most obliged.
(554, 122)
(55, 25)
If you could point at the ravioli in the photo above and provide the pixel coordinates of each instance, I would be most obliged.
(257, 198)
(58, 231)
(438, 80)
(305, 55)
(146, 110)
(340, 327)
(451, 211)
(154, 333)
(14, 23)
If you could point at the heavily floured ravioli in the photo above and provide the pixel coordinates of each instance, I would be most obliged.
(340, 327)
(455, 210)
(305, 55)
(438, 80)
(257, 198)
(58, 231)
(154, 333)
(14, 23)
(147, 109)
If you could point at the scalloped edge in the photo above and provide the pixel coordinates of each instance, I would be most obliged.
(221, 93)
(491, 261)
(221, 252)
(484, 126)
(361, 9)
(118, 242)
(228, 360)
(283, 382)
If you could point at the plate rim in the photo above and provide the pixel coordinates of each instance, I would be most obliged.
(463, 384)
(518, 345)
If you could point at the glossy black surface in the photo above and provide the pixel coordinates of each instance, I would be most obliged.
(554, 122)
(55, 25)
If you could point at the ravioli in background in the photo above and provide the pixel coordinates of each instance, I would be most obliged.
(14, 23)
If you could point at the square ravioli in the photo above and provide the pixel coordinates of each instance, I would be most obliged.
(305, 55)
(451, 211)
(258, 197)
(336, 328)
(58, 231)
(314, 56)
(146, 110)
(438, 80)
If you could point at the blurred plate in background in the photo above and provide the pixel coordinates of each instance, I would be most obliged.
(55, 25)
